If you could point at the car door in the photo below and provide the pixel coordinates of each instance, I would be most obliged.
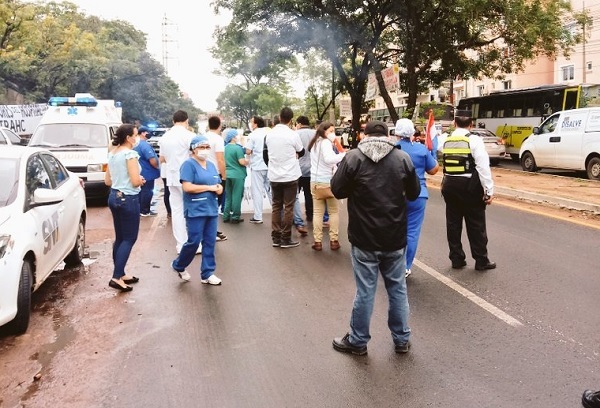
(545, 142)
(43, 218)
(570, 143)
(69, 209)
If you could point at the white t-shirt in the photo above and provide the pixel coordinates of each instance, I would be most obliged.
(217, 145)
(175, 148)
(255, 143)
(283, 143)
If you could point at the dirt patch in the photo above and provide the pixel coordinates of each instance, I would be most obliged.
(569, 188)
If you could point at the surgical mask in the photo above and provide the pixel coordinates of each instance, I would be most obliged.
(137, 141)
(202, 154)
(331, 136)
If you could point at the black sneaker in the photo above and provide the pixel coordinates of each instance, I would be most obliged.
(276, 243)
(343, 344)
(485, 266)
(221, 236)
(289, 244)
(459, 264)
(253, 221)
(402, 348)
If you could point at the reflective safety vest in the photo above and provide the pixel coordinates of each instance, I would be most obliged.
(456, 155)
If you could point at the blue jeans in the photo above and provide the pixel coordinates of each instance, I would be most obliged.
(367, 265)
(125, 211)
(146, 194)
(199, 230)
(298, 221)
(414, 216)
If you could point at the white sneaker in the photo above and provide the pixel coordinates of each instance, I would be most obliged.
(212, 280)
(185, 276)
(408, 272)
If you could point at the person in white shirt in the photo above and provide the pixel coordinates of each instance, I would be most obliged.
(283, 147)
(323, 162)
(174, 150)
(468, 188)
(259, 183)
(217, 157)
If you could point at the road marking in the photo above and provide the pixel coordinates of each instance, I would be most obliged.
(505, 317)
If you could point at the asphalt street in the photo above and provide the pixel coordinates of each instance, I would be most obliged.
(523, 335)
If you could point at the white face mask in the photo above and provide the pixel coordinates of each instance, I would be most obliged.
(202, 154)
(137, 141)
(331, 136)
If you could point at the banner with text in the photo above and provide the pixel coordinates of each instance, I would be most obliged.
(390, 79)
(22, 119)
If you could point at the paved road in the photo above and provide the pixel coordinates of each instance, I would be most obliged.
(524, 335)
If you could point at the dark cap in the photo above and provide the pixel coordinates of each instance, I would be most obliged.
(463, 113)
(143, 129)
(376, 127)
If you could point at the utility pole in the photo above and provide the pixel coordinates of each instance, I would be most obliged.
(166, 40)
(584, 66)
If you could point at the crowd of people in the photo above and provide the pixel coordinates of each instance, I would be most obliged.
(383, 180)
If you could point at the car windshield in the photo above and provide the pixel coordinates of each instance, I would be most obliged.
(70, 135)
(9, 180)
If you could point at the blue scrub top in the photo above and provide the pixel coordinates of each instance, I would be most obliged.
(200, 204)
(422, 159)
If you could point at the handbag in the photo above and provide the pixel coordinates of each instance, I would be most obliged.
(322, 191)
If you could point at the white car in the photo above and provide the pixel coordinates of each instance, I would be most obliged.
(8, 137)
(42, 223)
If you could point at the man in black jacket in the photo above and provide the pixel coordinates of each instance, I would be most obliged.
(377, 179)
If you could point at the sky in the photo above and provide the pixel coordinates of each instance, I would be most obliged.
(188, 31)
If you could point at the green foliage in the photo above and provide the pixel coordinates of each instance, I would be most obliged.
(433, 41)
(53, 49)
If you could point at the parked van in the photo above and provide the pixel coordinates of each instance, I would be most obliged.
(568, 140)
(79, 131)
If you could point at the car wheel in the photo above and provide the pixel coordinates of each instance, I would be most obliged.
(593, 168)
(528, 162)
(21, 321)
(76, 254)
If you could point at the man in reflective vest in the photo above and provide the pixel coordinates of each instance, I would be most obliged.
(467, 188)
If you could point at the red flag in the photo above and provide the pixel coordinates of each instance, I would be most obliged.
(429, 130)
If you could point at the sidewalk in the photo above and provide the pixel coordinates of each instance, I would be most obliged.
(546, 189)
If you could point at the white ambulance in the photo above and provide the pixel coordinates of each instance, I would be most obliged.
(568, 140)
(79, 131)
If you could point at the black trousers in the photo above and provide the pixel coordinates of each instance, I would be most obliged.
(304, 184)
(464, 200)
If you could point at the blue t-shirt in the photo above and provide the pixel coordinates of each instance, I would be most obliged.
(200, 204)
(422, 159)
(146, 153)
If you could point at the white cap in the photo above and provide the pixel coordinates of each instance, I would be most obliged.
(404, 128)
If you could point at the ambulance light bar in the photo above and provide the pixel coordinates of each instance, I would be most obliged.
(72, 101)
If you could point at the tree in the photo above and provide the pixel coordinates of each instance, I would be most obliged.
(322, 89)
(53, 49)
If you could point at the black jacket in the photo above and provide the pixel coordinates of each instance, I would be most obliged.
(377, 179)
